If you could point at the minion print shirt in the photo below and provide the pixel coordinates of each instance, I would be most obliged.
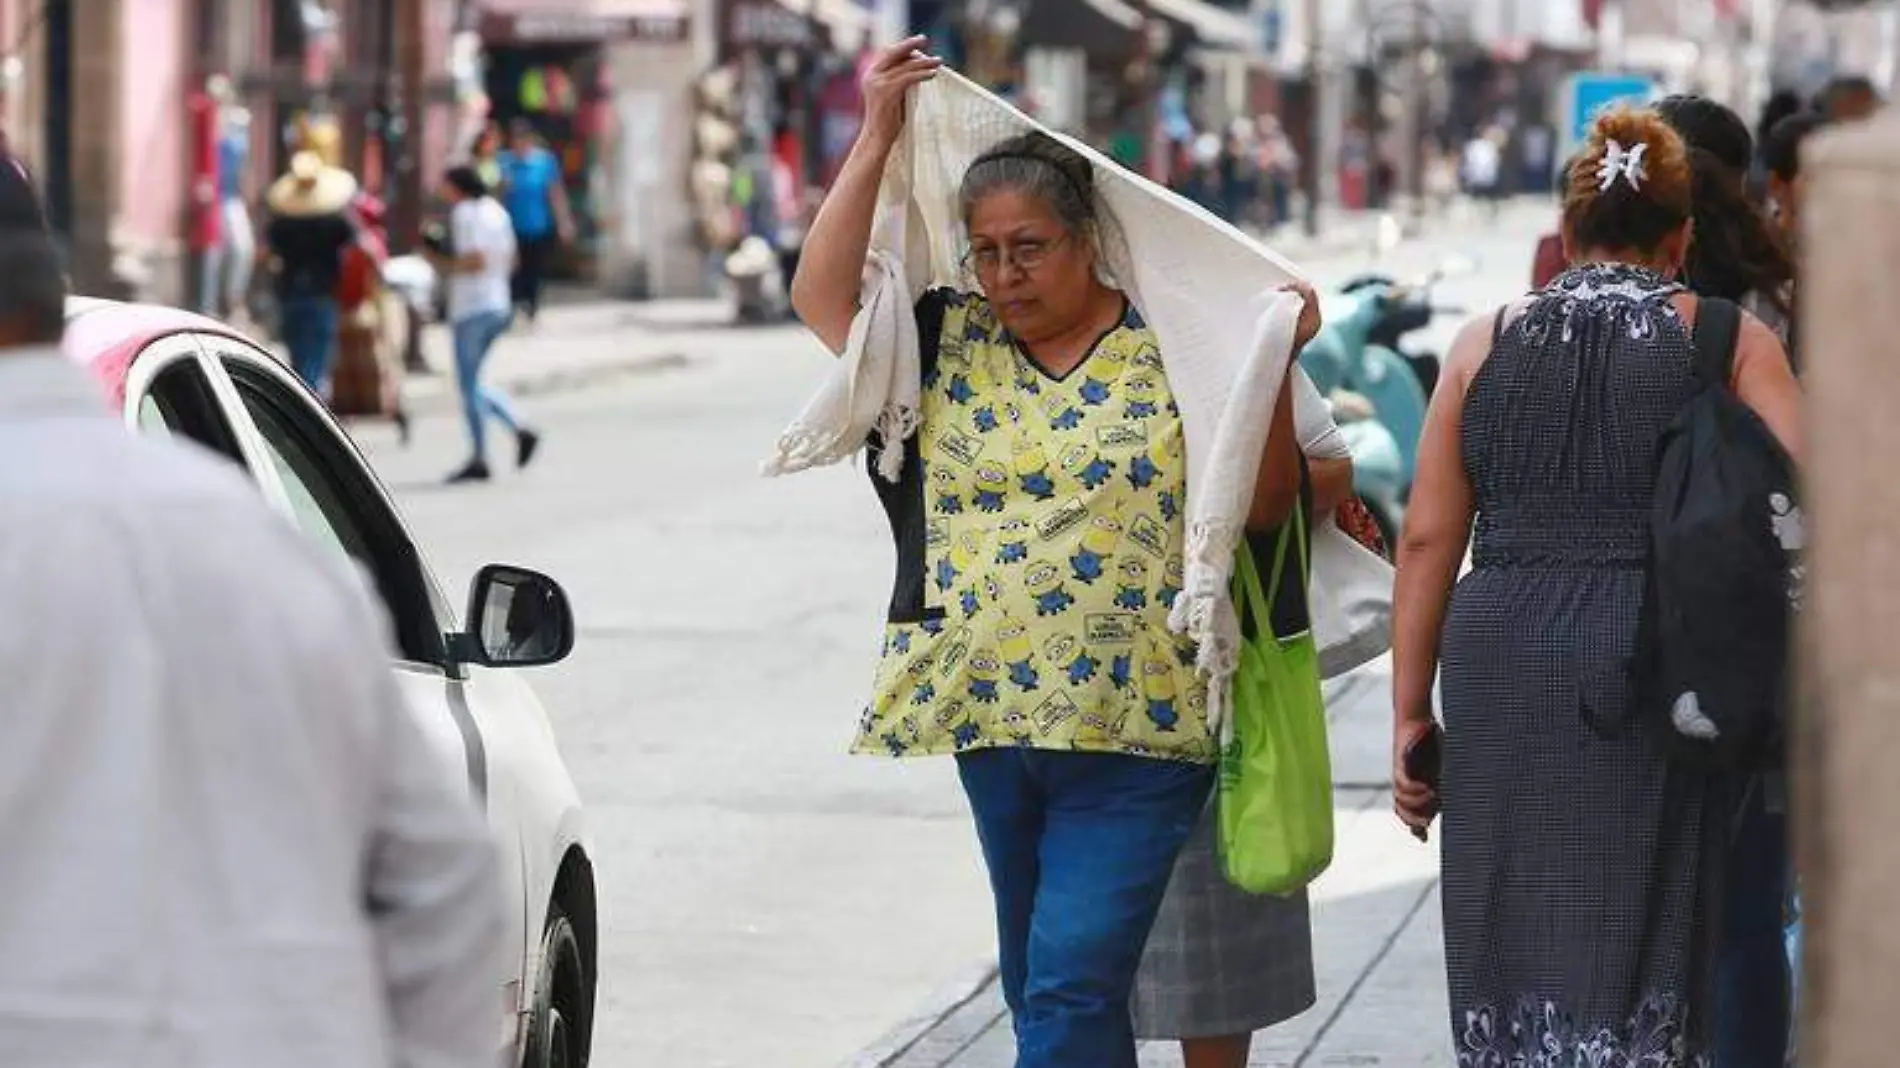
(1039, 531)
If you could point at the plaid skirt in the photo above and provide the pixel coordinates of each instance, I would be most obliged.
(1219, 961)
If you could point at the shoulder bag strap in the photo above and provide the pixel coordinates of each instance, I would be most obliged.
(1718, 323)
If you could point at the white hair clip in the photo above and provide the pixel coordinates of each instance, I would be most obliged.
(1619, 162)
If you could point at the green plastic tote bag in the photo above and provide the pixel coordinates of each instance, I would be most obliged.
(1276, 777)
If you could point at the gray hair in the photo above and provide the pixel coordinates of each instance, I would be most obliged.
(1035, 165)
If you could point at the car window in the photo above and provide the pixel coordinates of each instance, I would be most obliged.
(315, 500)
(333, 501)
(179, 402)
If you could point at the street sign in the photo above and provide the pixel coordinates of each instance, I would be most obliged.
(1588, 92)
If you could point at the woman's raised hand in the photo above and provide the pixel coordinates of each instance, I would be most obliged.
(888, 82)
(1309, 323)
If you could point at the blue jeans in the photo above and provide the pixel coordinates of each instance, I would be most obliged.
(309, 328)
(473, 337)
(1753, 980)
(1080, 847)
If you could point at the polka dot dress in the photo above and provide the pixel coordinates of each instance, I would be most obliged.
(1576, 861)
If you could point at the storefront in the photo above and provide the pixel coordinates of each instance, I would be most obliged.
(551, 71)
(797, 77)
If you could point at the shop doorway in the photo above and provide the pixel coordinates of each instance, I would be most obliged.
(558, 89)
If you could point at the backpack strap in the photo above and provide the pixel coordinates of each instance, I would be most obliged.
(1718, 324)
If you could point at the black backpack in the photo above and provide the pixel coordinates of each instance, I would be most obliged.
(1710, 670)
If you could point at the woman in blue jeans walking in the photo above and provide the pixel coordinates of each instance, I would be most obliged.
(1040, 546)
(480, 259)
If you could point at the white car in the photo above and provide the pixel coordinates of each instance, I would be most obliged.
(170, 372)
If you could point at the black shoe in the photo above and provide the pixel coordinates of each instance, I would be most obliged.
(473, 471)
(402, 427)
(527, 443)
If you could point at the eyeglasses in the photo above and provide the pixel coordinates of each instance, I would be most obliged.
(989, 260)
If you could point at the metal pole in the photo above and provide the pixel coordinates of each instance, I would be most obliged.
(1421, 110)
(1372, 115)
(1310, 169)
(1145, 89)
(1610, 35)
(408, 179)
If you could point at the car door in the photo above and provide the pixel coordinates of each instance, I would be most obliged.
(308, 470)
(240, 403)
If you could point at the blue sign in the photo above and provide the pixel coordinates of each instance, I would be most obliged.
(1588, 92)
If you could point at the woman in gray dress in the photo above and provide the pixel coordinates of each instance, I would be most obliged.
(1578, 863)
(1221, 964)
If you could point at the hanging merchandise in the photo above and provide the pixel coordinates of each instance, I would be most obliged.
(533, 93)
(841, 113)
(562, 98)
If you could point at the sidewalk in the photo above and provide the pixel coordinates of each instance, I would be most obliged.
(1376, 939)
(1344, 232)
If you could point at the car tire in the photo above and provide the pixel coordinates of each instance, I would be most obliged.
(557, 1023)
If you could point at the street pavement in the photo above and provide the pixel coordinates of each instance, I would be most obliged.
(767, 900)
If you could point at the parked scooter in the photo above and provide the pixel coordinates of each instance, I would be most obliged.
(1378, 389)
(1403, 309)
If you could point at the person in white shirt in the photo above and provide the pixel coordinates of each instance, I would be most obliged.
(224, 840)
(480, 261)
(1483, 168)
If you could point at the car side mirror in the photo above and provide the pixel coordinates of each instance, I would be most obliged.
(516, 618)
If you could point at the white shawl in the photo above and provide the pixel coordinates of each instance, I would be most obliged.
(1210, 293)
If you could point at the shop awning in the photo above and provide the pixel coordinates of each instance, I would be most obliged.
(1099, 27)
(793, 24)
(530, 22)
(1213, 27)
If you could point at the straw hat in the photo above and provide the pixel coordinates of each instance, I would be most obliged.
(311, 188)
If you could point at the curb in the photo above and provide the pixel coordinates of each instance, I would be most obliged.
(938, 1008)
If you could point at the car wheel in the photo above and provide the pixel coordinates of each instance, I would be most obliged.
(557, 1024)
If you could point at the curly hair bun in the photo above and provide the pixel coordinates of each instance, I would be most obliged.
(1611, 204)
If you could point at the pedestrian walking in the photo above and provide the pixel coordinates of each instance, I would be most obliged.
(1580, 866)
(533, 191)
(1781, 158)
(308, 236)
(1780, 104)
(485, 156)
(482, 251)
(1483, 168)
(1737, 255)
(224, 839)
(1221, 964)
(374, 325)
(1280, 163)
(1041, 544)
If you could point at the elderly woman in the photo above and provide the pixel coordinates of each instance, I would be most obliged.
(1040, 542)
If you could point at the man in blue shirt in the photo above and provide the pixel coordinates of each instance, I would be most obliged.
(533, 191)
